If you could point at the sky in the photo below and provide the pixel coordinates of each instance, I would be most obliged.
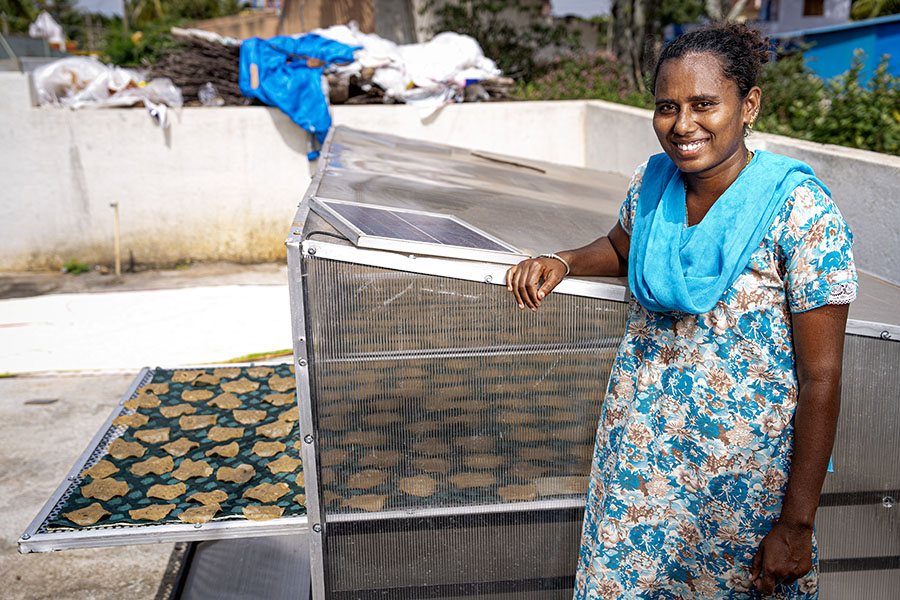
(561, 8)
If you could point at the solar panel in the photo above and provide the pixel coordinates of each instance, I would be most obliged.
(412, 231)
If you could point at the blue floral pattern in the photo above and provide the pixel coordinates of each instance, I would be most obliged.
(693, 448)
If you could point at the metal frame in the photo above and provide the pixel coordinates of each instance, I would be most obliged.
(364, 240)
(37, 539)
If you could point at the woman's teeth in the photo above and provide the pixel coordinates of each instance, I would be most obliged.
(691, 146)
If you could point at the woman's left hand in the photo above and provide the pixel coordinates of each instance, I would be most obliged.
(784, 555)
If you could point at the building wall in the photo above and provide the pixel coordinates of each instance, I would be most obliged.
(791, 18)
(223, 183)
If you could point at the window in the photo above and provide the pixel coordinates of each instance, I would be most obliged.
(813, 8)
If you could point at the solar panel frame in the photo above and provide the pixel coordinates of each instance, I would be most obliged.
(369, 226)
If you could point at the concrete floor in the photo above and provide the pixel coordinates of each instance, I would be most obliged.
(102, 329)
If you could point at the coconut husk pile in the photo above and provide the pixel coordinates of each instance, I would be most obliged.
(196, 62)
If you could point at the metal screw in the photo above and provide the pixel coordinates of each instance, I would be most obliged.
(885, 335)
(887, 502)
(302, 362)
(311, 251)
(72, 478)
(26, 536)
(413, 256)
(308, 439)
(198, 525)
(317, 528)
(488, 279)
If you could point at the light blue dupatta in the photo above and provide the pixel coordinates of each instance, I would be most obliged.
(674, 268)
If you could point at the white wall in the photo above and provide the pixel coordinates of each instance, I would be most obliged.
(223, 183)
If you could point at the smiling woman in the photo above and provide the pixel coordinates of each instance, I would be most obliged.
(717, 426)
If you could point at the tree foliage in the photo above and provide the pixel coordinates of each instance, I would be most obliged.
(870, 9)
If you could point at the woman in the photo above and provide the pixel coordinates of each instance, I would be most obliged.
(717, 427)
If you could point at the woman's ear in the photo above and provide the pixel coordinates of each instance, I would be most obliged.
(752, 106)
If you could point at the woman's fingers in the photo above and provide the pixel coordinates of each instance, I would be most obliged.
(523, 279)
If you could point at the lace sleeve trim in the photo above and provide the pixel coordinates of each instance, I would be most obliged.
(842, 293)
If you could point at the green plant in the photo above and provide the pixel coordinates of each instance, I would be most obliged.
(493, 24)
(793, 96)
(583, 75)
(75, 267)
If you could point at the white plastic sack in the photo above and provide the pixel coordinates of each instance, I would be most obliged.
(45, 27)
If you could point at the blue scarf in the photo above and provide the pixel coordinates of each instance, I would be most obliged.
(673, 268)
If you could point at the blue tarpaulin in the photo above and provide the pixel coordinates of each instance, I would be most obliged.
(286, 72)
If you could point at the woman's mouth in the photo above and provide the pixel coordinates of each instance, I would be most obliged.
(688, 148)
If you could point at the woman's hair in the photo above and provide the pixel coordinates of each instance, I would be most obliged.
(741, 49)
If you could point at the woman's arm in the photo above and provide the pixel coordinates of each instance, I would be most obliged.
(785, 554)
(607, 256)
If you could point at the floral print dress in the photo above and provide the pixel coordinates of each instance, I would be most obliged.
(694, 443)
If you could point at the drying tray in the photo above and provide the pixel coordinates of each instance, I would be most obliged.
(269, 389)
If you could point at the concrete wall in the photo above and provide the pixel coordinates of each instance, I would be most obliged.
(222, 184)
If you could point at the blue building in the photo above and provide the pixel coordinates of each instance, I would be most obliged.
(833, 46)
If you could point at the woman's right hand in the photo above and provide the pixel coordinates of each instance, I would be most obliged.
(523, 279)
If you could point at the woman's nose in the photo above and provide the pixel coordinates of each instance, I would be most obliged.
(684, 123)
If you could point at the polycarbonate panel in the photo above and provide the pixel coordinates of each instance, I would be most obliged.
(438, 399)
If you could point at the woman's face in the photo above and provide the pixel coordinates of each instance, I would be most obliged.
(700, 116)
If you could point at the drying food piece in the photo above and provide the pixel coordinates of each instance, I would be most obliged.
(468, 419)
(154, 388)
(135, 420)
(420, 486)
(368, 502)
(104, 489)
(483, 461)
(120, 449)
(382, 419)
(155, 465)
(207, 379)
(297, 445)
(192, 468)
(335, 456)
(260, 372)
(300, 499)
(192, 422)
(199, 514)
(154, 512)
(275, 430)
(527, 435)
(432, 465)
(225, 401)
(143, 401)
(438, 403)
(170, 412)
(278, 399)
(285, 464)
(333, 423)
(543, 453)
(471, 480)
(367, 479)
(380, 458)
(431, 446)
(386, 404)
(220, 434)
(102, 468)
(290, 415)
(267, 449)
(476, 443)
(180, 447)
(563, 416)
(328, 477)
(166, 492)
(249, 417)
(301, 480)
(575, 433)
(281, 384)
(330, 497)
(562, 486)
(213, 497)
(227, 372)
(153, 436)
(186, 376)
(526, 470)
(267, 492)
(87, 515)
(267, 512)
(333, 407)
(422, 427)
(512, 417)
(239, 386)
(240, 474)
(582, 451)
(227, 450)
(518, 493)
(196, 395)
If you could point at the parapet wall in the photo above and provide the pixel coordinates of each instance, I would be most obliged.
(223, 183)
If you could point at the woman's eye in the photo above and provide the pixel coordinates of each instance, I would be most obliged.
(665, 108)
(704, 105)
